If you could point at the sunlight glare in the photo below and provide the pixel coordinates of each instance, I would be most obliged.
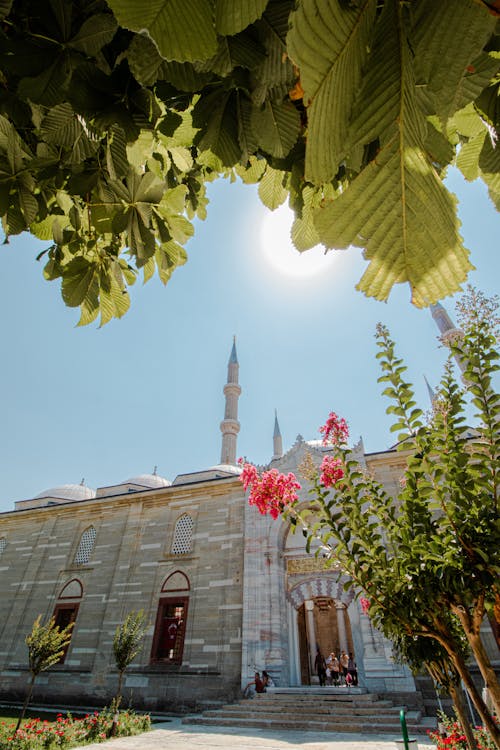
(279, 252)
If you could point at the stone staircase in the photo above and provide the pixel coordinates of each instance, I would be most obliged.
(316, 710)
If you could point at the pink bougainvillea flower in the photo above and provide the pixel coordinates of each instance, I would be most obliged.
(272, 491)
(331, 471)
(335, 431)
(365, 604)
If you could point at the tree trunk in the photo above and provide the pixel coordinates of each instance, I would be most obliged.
(473, 636)
(463, 717)
(26, 702)
(481, 707)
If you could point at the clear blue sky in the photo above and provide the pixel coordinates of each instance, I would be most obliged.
(107, 404)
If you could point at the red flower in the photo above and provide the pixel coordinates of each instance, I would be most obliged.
(272, 492)
(365, 604)
(331, 471)
(335, 431)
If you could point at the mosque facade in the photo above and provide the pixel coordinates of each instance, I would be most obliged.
(225, 590)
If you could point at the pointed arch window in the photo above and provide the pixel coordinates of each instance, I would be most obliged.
(66, 609)
(183, 535)
(3, 544)
(170, 628)
(86, 546)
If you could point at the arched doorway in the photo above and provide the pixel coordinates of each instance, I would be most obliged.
(322, 622)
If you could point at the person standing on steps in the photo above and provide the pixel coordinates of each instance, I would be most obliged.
(320, 666)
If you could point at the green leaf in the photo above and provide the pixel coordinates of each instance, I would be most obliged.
(5, 6)
(182, 31)
(232, 16)
(447, 37)
(272, 190)
(49, 86)
(218, 111)
(116, 153)
(94, 33)
(80, 282)
(397, 209)
(274, 76)
(277, 125)
(62, 127)
(329, 43)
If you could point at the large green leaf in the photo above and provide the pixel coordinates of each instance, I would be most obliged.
(277, 125)
(274, 76)
(232, 16)
(94, 33)
(446, 39)
(272, 190)
(397, 209)
(182, 31)
(62, 127)
(400, 212)
(329, 43)
(216, 115)
(80, 281)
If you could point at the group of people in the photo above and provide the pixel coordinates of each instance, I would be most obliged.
(259, 684)
(335, 670)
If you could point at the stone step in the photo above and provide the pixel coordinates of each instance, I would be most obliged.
(244, 709)
(331, 718)
(321, 704)
(351, 726)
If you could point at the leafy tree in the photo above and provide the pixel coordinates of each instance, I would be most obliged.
(113, 117)
(425, 653)
(127, 643)
(46, 645)
(428, 560)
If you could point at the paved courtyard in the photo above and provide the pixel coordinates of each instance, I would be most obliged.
(180, 736)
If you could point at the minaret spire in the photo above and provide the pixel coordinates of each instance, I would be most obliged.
(277, 440)
(230, 425)
(447, 328)
(430, 391)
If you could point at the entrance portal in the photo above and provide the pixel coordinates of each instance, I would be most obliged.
(325, 624)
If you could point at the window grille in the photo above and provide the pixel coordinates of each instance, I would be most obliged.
(183, 535)
(85, 547)
(3, 544)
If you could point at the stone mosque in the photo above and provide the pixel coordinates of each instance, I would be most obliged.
(225, 590)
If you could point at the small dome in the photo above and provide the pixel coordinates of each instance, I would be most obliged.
(148, 480)
(68, 492)
(227, 468)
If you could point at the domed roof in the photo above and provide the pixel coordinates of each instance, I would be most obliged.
(68, 492)
(148, 480)
(228, 468)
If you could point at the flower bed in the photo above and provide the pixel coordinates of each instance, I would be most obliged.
(66, 731)
(454, 738)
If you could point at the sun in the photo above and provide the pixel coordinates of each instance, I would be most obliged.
(279, 252)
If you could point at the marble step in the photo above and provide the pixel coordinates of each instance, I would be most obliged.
(351, 726)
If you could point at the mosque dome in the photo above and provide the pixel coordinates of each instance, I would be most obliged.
(152, 481)
(70, 492)
(227, 468)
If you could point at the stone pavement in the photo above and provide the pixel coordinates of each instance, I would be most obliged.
(174, 734)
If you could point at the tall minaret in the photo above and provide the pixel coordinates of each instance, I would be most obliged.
(230, 425)
(277, 441)
(447, 328)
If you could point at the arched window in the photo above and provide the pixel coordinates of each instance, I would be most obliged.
(85, 547)
(67, 606)
(170, 628)
(3, 544)
(183, 535)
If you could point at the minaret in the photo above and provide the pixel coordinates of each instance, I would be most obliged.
(447, 328)
(230, 425)
(430, 391)
(277, 441)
